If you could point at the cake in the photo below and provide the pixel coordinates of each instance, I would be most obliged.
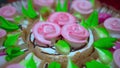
(59, 34)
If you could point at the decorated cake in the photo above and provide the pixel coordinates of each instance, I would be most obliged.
(58, 34)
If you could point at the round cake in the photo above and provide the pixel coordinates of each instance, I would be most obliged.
(58, 34)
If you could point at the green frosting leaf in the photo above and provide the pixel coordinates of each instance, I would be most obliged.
(62, 47)
(105, 42)
(92, 21)
(93, 2)
(101, 32)
(30, 12)
(65, 6)
(44, 10)
(105, 56)
(11, 39)
(18, 19)
(54, 65)
(8, 26)
(84, 24)
(78, 15)
(71, 64)
(41, 18)
(13, 52)
(60, 8)
(95, 64)
(29, 62)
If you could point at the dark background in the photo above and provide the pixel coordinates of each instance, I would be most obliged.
(5, 1)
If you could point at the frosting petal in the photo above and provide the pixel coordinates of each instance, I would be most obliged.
(82, 6)
(112, 24)
(61, 18)
(44, 31)
(8, 12)
(116, 56)
(43, 2)
(75, 33)
(2, 33)
(15, 66)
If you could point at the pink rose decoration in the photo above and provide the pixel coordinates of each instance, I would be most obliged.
(8, 12)
(61, 18)
(45, 31)
(117, 46)
(2, 33)
(116, 56)
(75, 34)
(113, 26)
(15, 66)
(43, 2)
(82, 6)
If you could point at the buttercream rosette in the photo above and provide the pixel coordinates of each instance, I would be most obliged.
(2, 36)
(8, 12)
(15, 66)
(116, 56)
(41, 3)
(113, 26)
(84, 7)
(61, 18)
(75, 35)
(45, 32)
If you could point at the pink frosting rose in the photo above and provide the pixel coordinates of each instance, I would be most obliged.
(116, 56)
(113, 26)
(61, 18)
(15, 66)
(75, 34)
(8, 12)
(43, 2)
(82, 6)
(45, 31)
(2, 33)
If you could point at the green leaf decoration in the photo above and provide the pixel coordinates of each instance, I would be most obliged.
(13, 52)
(93, 2)
(105, 56)
(11, 39)
(62, 47)
(44, 10)
(71, 64)
(41, 18)
(101, 32)
(105, 42)
(92, 21)
(60, 8)
(65, 7)
(95, 64)
(78, 15)
(83, 23)
(29, 62)
(18, 19)
(8, 26)
(54, 65)
(30, 12)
